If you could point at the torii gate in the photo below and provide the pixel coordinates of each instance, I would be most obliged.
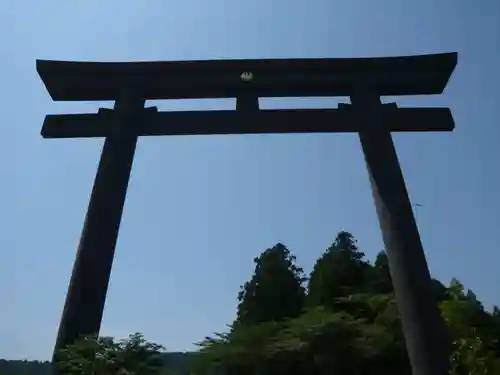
(364, 80)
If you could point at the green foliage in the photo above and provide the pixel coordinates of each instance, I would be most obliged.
(275, 291)
(347, 322)
(175, 363)
(105, 356)
(340, 271)
(381, 281)
(17, 367)
(350, 325)
(475, 333)
(472, 357)
(244, 350)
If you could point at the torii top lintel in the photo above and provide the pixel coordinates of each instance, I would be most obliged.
(93, 81)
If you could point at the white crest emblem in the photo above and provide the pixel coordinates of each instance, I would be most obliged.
(246, 76)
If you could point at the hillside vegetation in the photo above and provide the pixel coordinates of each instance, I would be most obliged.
(341, 319)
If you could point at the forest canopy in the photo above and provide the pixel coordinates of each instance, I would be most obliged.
(342, 318)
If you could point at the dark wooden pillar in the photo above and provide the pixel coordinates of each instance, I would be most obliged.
(86, 295)
(426, 337)
(247, 103)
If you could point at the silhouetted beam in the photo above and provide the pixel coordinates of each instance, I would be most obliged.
(90, 81)
(86, 297)
(264, 121)
(427, 342)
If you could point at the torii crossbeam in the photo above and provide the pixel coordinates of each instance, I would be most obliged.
(364, 80)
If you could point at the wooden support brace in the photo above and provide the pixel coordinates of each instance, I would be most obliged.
(342, 120)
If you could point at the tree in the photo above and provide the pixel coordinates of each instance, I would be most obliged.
(105, 356)
(322, 342)
(474, 332)
(242, 351)
(274, 294)
(351, 325)
(331, 342)
(275, 291)
(339, 272)
(381, 281)
(472, 357)
(440, 291)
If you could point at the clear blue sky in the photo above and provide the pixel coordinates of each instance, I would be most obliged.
(200, 208)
